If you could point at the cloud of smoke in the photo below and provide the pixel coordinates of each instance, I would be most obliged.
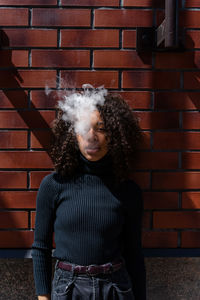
(78, 106)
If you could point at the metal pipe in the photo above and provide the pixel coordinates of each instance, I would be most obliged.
(171, 25)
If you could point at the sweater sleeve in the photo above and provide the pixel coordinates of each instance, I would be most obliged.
(133, 254)
(42, 246)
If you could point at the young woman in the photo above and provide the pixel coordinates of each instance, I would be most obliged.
(94, 210)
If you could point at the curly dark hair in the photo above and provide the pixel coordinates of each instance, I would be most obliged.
(122, 132)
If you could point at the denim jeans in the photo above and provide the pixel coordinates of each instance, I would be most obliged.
(69, 286)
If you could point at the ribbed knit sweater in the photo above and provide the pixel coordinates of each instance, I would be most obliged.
(94, 222)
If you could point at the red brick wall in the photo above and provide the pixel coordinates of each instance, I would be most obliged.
(93, 41)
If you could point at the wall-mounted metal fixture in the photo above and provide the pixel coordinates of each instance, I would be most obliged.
(166, 36)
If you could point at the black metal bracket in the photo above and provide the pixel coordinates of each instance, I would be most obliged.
(165, 37)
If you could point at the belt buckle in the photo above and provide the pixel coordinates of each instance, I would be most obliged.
(108, 268)
(89, 270)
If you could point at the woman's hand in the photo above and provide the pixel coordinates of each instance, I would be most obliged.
(44, 297)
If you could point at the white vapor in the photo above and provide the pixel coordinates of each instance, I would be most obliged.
(78, 106)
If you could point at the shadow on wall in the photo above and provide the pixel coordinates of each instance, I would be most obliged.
(175, 82)
(16, 219)
(28, 118)
(11, 83)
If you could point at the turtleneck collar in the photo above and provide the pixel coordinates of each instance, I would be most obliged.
(102, 167)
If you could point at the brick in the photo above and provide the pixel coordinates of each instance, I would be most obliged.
(90, 2)
(28, 79)
(190, 239)
(13, 139)
(96, 78)
(137, 3)
(146, 140)
(191, 200)
(158, 120)
(176, 100)
(13, 99)
(18, 59)
(191, 120)
(26, 119)
(137, 99)
(184, 60)
(33, 215)
(17, 199)
(192, 39)
(160, 15)
(160, 239)
(13, 219)
(176, 140)
(16, 239)
(13, 17)
(23, 37)
(123, 18)
(190, 19)
(146, 221)
(120, 59)
(191, 160)
(129, 39)
(157, 160)
(176, 219)
(13, 180)
(25, 159)
(28, 2)
(61, 58)
(40, 99)
(175, 180)
(40, 139)
(36, 178)
(191, 80)
(50, 17)
(150, 79)
(161, 200)
(142, 179)
(192, 3)
(89, 38)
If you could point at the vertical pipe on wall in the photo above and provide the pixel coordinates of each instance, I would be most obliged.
(171, 29)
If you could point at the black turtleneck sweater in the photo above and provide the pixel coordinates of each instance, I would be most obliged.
(93, 221)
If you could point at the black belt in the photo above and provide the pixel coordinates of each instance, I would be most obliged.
(91, 269)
